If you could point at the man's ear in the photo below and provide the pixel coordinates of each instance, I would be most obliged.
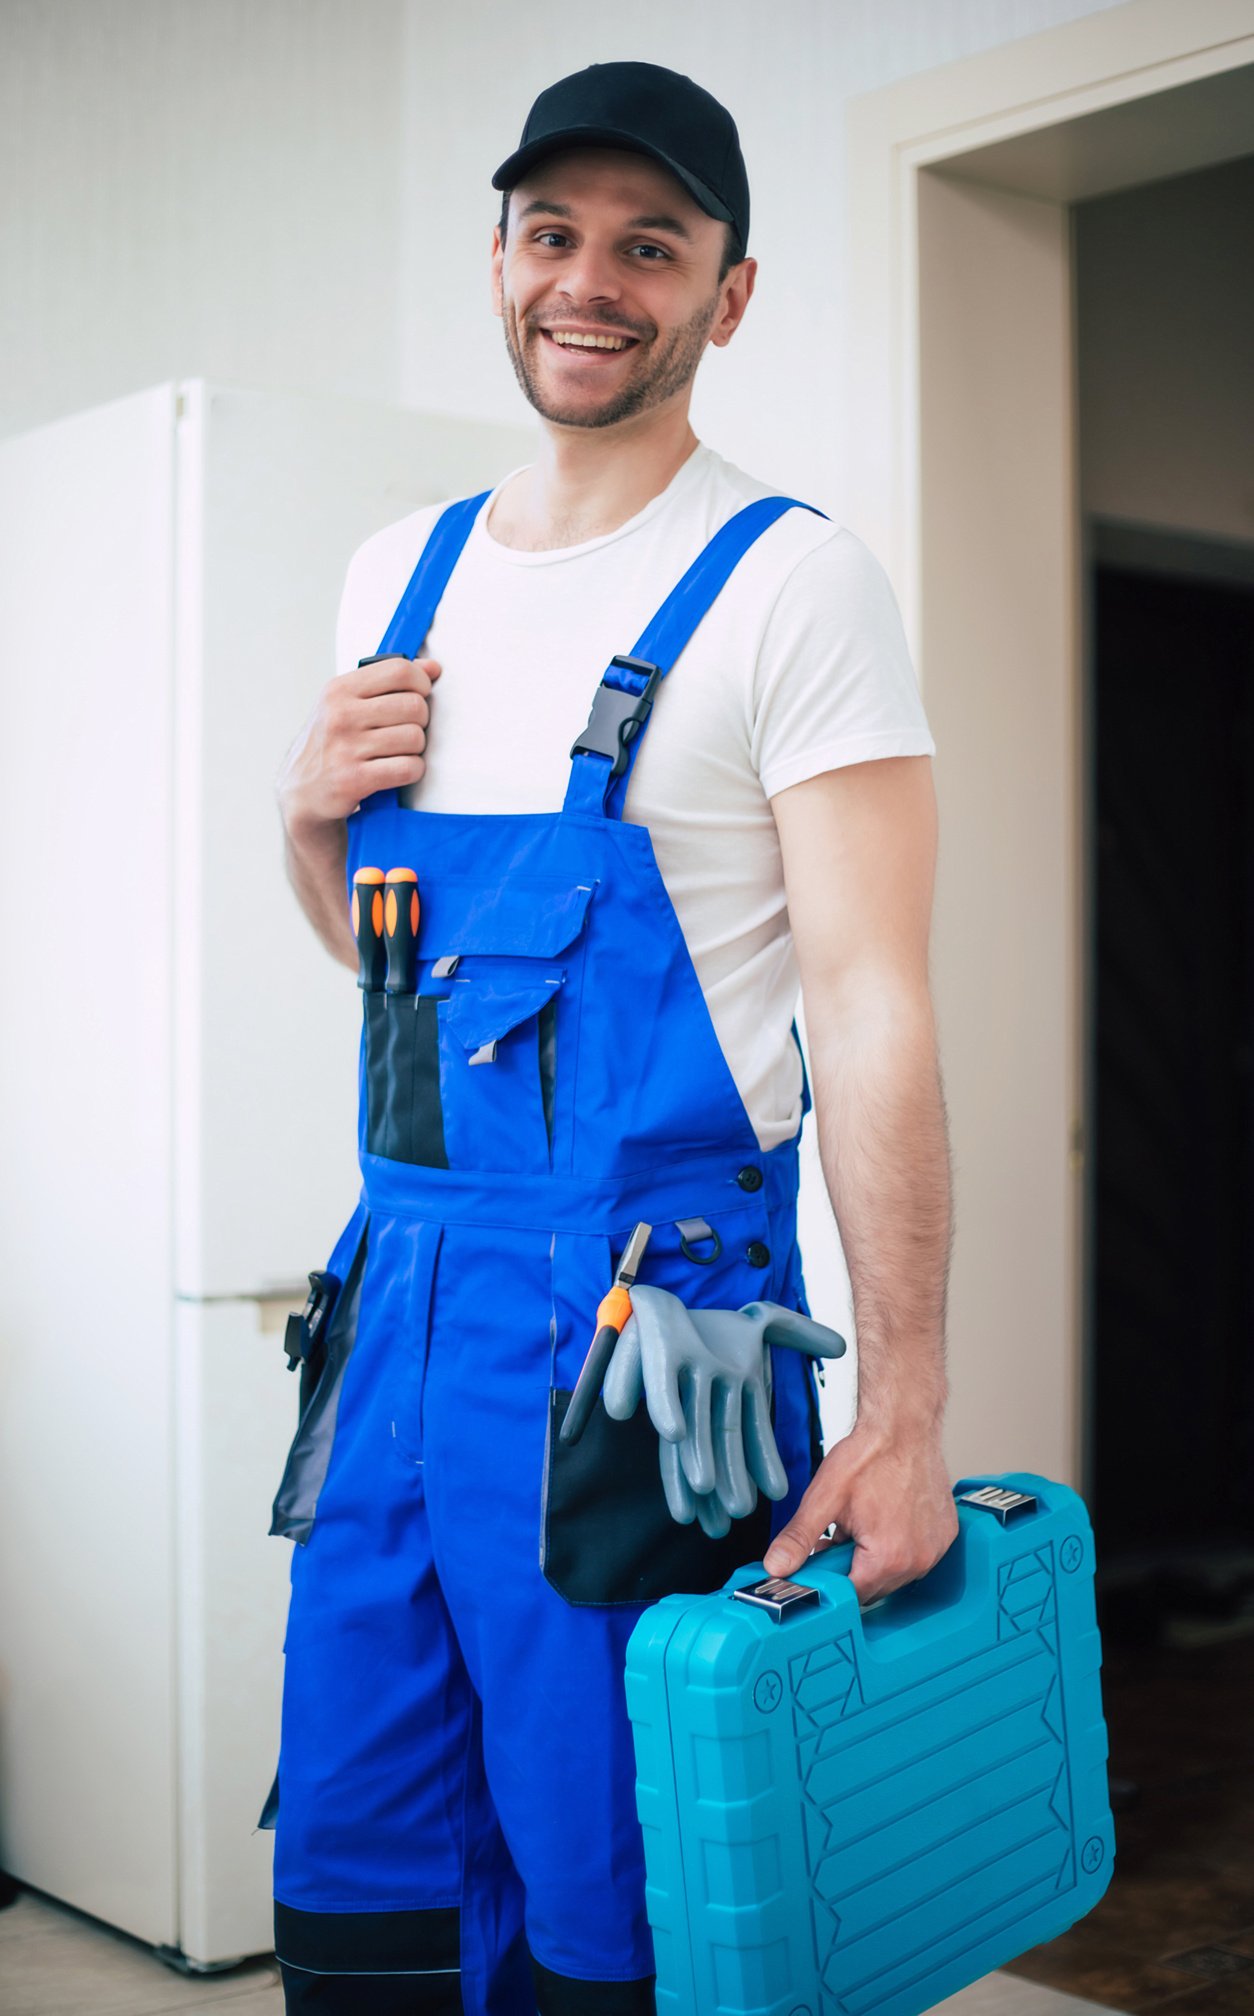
(498, 261)
(739, 284)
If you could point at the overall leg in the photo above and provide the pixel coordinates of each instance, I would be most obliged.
(557, 1741)
(382, 1802)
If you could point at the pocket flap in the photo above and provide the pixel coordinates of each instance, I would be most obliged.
(534, 921)
(481, 1013)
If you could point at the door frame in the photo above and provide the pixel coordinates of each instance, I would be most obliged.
(964, 465)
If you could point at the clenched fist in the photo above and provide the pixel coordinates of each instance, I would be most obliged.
(885, 1488)
(367, 733)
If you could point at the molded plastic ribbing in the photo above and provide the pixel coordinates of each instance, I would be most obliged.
(415, 612)
(664, 637)
(858, 1813)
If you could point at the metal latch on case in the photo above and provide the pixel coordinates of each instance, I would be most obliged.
(779, 1597)
(1004, 1505)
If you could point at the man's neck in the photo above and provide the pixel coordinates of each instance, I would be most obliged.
(586, 482)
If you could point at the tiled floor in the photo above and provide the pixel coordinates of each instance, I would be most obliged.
(55, 1963)
(1175, 1931)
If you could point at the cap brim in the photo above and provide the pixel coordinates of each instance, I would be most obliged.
(512, 171)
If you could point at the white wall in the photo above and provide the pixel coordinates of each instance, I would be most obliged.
(297, 192)
(1165, 286)
(197, 187)
(773, 400)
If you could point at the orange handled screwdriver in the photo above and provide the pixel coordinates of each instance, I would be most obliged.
(367, 915)
(612, 1315)
(400, 926)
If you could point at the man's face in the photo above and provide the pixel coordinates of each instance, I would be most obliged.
(607, 244)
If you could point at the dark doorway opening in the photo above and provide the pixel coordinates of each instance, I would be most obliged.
(1170, 1319)
(1171, 1134)
(1172, 1107)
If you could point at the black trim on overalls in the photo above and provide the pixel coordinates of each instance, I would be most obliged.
(558, 1995)
(369, 1963)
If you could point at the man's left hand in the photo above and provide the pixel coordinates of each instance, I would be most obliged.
(888, 1491)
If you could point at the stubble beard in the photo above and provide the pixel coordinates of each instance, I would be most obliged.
(672, 369)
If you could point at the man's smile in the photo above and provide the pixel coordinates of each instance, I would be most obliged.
(589, 346)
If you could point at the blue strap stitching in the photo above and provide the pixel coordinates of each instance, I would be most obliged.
(669, 631)
(415, 612)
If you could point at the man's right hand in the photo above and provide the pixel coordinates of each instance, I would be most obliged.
(367, 733)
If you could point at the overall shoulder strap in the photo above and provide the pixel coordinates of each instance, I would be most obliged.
(602, 757)
(415, 612)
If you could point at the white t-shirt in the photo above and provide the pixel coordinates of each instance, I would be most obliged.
(800, 666)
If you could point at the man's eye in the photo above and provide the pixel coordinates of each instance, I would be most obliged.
(660, 250)
(541, 236)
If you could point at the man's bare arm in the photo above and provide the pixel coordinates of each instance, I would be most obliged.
(859, 849)
(367, 733)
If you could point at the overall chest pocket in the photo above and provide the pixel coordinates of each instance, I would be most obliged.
(506, 1025)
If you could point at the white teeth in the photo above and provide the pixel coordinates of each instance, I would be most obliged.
(570, 336)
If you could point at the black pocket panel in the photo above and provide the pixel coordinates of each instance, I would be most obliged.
(375, 1008)
(306, 1468)
(608, 1534)
(417, 1130)
(548, 1065)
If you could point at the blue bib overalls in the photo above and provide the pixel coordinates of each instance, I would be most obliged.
(455, 1806)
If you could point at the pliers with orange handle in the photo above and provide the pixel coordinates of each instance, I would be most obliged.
(612, 1315)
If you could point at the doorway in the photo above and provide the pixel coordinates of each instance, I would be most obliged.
(1163, 314)
(967, 447)
(1072, 554)
(1171, 849)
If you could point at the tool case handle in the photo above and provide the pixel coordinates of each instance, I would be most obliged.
(997, 1517)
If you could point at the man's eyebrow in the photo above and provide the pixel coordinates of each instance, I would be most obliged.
(543, 206)
(660, 224)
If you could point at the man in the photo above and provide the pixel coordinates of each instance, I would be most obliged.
(456, 1823)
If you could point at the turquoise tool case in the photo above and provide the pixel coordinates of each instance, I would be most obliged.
(850, 1811)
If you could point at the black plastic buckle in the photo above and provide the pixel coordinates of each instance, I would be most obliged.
(617, 717)
(304, 1330)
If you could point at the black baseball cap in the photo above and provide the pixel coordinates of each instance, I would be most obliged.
(648, 110)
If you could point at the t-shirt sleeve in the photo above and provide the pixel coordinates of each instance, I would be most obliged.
(834, 683)
(374, 583)
(348, 630)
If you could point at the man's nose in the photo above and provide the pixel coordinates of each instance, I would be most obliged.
(592, 275)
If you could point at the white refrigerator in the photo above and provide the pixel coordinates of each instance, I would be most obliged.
(177, 1083)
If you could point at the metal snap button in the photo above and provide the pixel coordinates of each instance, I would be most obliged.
(757, 1254)
(750, 1178)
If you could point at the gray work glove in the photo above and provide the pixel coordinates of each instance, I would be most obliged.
(705, 1375)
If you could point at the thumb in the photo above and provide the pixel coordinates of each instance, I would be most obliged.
(795, 1542)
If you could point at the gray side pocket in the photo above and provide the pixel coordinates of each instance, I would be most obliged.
(306, 1468)
(268, 1818)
